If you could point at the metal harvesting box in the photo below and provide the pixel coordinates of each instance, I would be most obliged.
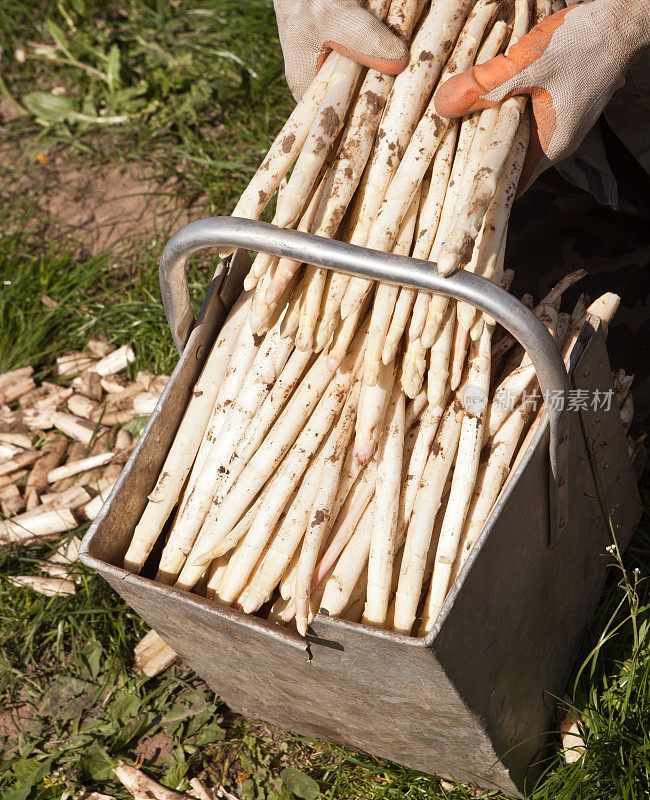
(473, 700)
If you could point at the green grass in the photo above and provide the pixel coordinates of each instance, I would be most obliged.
(200, 86)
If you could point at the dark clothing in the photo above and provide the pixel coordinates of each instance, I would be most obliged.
(556, 228)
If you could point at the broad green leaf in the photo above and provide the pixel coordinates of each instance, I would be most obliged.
(49, 107)
(58, 34)
(300, 784)
(175, 774)
(97, 764)
(66, 698)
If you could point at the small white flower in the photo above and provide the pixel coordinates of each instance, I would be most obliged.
(20, 55)
(610, 549)
(6, 283)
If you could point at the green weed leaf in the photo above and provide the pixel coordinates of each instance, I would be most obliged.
(300, 784)
(49, 107)
(113, 68)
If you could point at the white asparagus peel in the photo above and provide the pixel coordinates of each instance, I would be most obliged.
(385, 297)
(50, 587)
(286, 146)
(462, 486)
(237, 416)
(386, 507)
(287, 538)
(438, 374)
(32, 526)
(142, 786)
(82, 465)
(372, 408)
(319, 518)
(427, 499)
(305, 439)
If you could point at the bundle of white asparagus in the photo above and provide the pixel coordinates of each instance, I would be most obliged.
(314, 468)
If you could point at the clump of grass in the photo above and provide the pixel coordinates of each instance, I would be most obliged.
(195, 87)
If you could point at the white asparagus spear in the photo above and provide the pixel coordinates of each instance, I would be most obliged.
(361, 127)
(474, 398)
(325, 128)
(509, 391)
(188, 437)
(340, 585)
(492, 474)
(286, 146)
(395, 158)
(372, 407)
(287, 267)
(439, 354)
(429, 309)
(346, 523)
(319, 518)
(413, 368)
(385, 297)
(349, 164)
(343, 335)
(425, 508)
(386, 507)
(287, 538)
(282, 483)
(426, 137)
(425, 434)
(459, 351)
(270, 358)
(484, 185)
(431, 46)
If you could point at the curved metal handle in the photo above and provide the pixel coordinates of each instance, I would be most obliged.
(388, 268)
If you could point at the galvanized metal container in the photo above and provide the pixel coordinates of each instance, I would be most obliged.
(474, 699)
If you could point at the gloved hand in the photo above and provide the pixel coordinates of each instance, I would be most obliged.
(570, 65)
(309, 29)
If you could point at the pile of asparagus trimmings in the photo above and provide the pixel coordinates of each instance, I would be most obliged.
(272, 493)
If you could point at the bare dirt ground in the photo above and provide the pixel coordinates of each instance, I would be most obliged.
(104, 206)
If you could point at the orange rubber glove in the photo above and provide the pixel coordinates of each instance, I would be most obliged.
(570, 65)
(309, 29)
